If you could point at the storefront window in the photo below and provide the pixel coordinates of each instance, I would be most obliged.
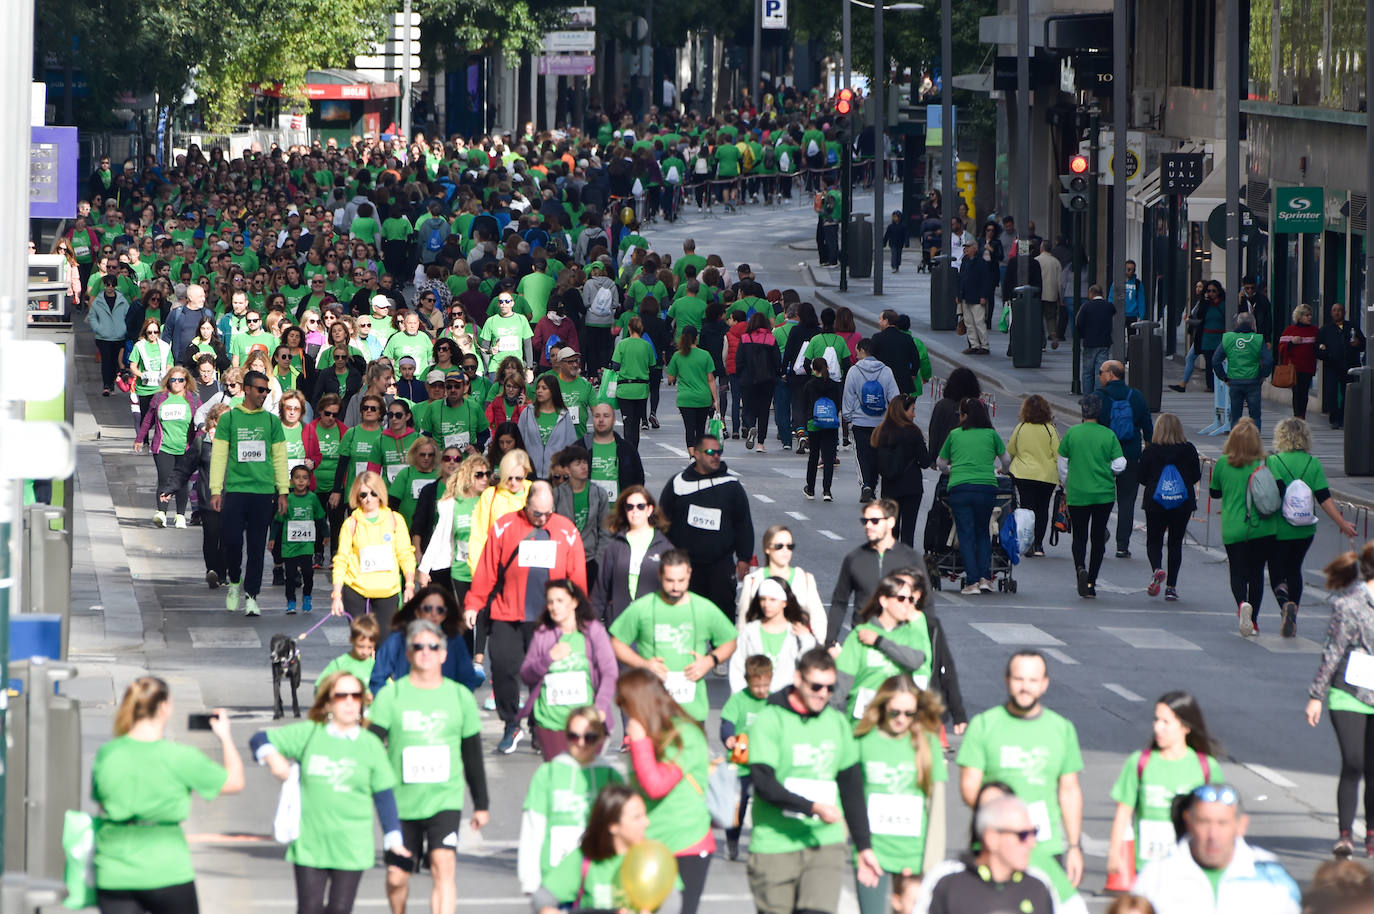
(1320, 59)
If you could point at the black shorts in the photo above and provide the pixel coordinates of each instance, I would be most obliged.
(438, 832)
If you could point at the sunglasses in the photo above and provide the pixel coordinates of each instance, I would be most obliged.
(636, 506)
(873, 520)
(481, 474)
(778, 547)
(369, 408)
(255, 320)
(451, 459)
(819, 686)
(151, 331)
(349, 696)
(1213, 793)
(262, 390)
(332, 414)
(515, 479)
(396, 415)
(894, 713)
(367, 494)
(177, 380)
(421, 646)
(903, 598)
(539, 515)
(430, 454)
(1024, 836)
(587, 737)
(713, 451)
(438, 610)
(559, 477)
(284, 357)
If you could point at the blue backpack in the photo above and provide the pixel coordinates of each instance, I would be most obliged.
(872, 398)
(1122, 419)
(1171, 491)
(825, 414)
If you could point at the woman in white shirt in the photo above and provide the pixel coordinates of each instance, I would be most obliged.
(779, 547)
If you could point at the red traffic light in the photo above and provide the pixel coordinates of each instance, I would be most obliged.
(1078, 165)
(844, 101)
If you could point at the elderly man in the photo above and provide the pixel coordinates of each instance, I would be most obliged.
(1213, 869)
(998, 877)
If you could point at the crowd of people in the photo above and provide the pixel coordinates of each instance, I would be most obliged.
(404, 367)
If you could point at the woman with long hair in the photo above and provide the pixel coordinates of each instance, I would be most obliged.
(169, 421)
(397, 437)
(150, 359)
(143, 783)
(360, 448)
(780, 550)
(638, 536)
(1247, 535)
(970, 454)
(758, 365)
(1179, 758)
(1169, 499)
(1344, 685)
(569, 663)
(432, 604)
(502, 496)
(776, 626)
(505, 438)
(634, 359)
(904, 782)
(885, 642)
(669, 761)
(1089, 460)
(1034, 450)
(962, 384)
(445, 557)
(693, 371)
(207, 340)
(901, 451)
(546, 425)
(421, 469)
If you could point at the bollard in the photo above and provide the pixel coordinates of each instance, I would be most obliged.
(1359, 423)
(860, 246)
(944, 287)
(44, 777)
(1145, 361)
(1027, 328)
(48, 556)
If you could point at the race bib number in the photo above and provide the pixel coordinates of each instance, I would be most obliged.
(862, 699)
(460, 551)
(817, 791)
(538, 553)
(425, 764)
(575, 414)
(1359, 670)
(376, 558)
(609, 486)
(567, 688)
(393, 471)
(152, 378)
(416, 485)
(359, 467)
(680, 687)
(898, 815)
(703, 518)
(252, 452)
(300, 531)
(173, 412)
(1157, 839)
(457, 439)
(1040, 818)
(563, 840)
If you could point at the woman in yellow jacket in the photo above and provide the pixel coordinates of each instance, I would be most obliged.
(373, 556)
(517, 475)
(1034, 450)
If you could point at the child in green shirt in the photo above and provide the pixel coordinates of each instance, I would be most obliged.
(363, 633)
(739, 712)
(299, 530)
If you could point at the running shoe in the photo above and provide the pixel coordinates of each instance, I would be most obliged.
(1290, 620)
(250, 606)
(290, 607)
(826, 496)
(786, 446)
(180, 522)
(751, 437)
(847, 444)
(1123, 553)
(809, 492)
(231, 599)
(1344, 848)
(1155, 582)
(732, 848)
(985, 585)
(211, 580)
(971, 590)
(1171, 594)
(1245, 619)
(653, 421)
(1090, 590)
(159, 518)
(1082, 582)
(278, 576)
(865, 495)
(489, 704)
(510, 739)
(306, 604)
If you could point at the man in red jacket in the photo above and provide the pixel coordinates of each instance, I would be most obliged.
(526, 549)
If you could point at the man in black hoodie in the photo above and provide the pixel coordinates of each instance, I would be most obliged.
(708, 516)
(896, 349)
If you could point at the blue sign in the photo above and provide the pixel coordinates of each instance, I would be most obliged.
(52, 172)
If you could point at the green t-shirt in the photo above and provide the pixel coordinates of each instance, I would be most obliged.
(806, 754)
(298, 525)
(655, 628)
(242, 343)
(817, 346)
(462, 530)
(361, 669)
(605, 469)
(339, 775)
(688, 260)
(535, 289)
(1091, 447)
(600, 888)
(406, 487)
(365, 228)
(635, 356)
(394, 451)
(687, 311)
(419, 347)
(567, 684)
(898, 810)
(1340, 700)
(870, 667)
(249, 437)
(396, 228)
(148, 785)
(1230, 484)
(1242, 354)
(580, 508)
(727, 160)
(150, 363)
(1287, 467)
(425, 728)
(971, 453)
(1151, 797)
(505, 335)
(174, 415)
(1030, 754)
(328, 439)
(577, 397)
(545, 423)
(453, 426)
(561, 795)
(742, 709)
(680, 818)
(362, 449)
(692, 372)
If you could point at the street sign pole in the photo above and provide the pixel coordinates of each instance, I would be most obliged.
(405, 77)
(878, 97)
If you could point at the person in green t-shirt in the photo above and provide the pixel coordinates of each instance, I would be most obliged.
(569, 664)
(806, 773)
(904, 790)
(506, 333)
(1177, 761)
(421, 469)
(1247, 535)
(969, 454)
(1240, 362)
(142, 784)
(1090, 457)
(432, 730)
(632, 361)
(1035, 752)
(363, 635)
(302, 532)
(169, 421)
(693, 371)
(736, 718)
(889, 639)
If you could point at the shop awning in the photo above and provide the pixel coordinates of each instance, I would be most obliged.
(1211, 193)
(335, 84)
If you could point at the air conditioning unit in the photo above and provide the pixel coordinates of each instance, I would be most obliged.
(1144, 108)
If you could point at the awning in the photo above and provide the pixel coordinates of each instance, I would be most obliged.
(1145, 194)
(1211, 193)
(980, 82)
(336, 84)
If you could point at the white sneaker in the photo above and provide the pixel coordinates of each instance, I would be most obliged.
(250, 607)
(159, 518)
(180, 522)
(231, 599)
(971, 590)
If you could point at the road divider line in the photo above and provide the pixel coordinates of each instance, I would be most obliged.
(1059, 655)
(1122, 691)
(668, 447)
(796, 515)
(1270, 775)
(763, 498)
(830, 535)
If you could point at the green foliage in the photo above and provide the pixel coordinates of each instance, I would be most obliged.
(475, 26)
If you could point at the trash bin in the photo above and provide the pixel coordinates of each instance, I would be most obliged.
(1359, 423)
(1027, 328)
(860, 246)
(1145, 361)
(944, 286)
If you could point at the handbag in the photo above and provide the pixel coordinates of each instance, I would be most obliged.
(1061, 523)
(78, 844)
(1285, 375)
(286, 823)
(721, 793)
(959, 328)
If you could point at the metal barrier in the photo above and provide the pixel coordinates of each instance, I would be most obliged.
(48, 555)
(44, 777)
(23, 894)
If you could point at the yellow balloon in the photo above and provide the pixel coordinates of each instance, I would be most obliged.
(647, 874)
(627, 216)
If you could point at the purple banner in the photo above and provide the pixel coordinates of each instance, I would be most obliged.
(52, 172)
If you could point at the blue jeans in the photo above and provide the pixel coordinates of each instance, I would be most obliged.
(971, 506)
(1246, 392)
(1090, 364)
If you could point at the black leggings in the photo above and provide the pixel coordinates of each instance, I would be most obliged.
(822, 445)
(165, 463)
(312, 883)
(335, 516)
(1355, 736)
(758, 399)
(172, 899)
(1285, 569)
(1090, 521)
(1246, 560)
(355, 604)
(212, 543)
(694, 423)
(1035, 495)
(1302, 389)
(655, 388)
(691, 868)
(632, 412)
(908, 508)
(304, 566)
(1175, 523)
(110, 352)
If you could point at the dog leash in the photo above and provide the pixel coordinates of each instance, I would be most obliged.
(323, 620)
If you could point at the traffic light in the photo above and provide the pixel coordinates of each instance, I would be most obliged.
(844, 102)
(1075, 184)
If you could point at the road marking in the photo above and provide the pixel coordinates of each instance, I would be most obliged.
(1270, 775)
(1109, 587)
(791, 472)
(668, 447)
(1016, 633)
(1275, 644)
(796, 515)
(830, 535)
(1122, 691)
(763, 498)
(1059, 655)
(1151, 639)
(216, 637)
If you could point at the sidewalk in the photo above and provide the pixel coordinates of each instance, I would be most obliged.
(909, 291)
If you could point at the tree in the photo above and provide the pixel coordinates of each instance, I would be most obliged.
(509, 26)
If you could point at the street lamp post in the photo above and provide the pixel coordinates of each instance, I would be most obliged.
(878, 96)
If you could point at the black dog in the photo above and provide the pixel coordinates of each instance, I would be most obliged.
(286, 663)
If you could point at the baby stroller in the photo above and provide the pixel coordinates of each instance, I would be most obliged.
(931, 235)
(943, 559)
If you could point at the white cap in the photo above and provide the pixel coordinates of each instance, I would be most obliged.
(772, 587)
(381, 301)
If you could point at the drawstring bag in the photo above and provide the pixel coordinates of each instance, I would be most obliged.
(78, 844)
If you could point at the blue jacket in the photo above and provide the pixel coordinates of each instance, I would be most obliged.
(392, 663)
(108, 322)
(1115, 391)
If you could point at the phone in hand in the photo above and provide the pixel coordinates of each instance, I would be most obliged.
(198, 721)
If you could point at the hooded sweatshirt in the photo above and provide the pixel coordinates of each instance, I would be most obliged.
(708, 515)
(865, 370)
